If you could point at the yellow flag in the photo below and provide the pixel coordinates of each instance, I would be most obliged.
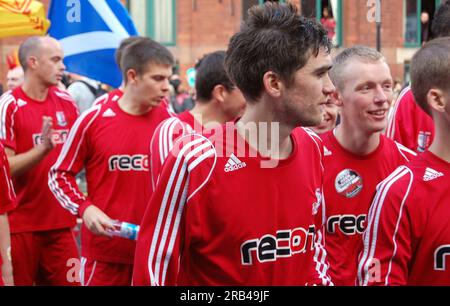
(22, 17)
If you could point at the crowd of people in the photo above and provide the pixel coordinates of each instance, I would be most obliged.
(283, 171)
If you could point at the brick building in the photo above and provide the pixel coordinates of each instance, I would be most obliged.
(191, 28)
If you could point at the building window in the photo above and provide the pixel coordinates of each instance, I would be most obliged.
(418, 18)
(138, 11)
(161, 21)
(329, 13)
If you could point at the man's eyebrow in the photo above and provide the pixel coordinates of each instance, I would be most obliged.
(323, 69)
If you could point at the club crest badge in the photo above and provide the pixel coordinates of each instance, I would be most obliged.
(348, 183)
(61, 119)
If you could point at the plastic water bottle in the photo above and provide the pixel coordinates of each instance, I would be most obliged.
(125, 230)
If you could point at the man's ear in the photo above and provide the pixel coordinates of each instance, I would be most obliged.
(218, 93)
(131, 76)
(337, 98)
(32, 62)
(437, 100)
(272, 84)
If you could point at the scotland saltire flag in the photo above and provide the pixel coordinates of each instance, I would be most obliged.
(90, 31)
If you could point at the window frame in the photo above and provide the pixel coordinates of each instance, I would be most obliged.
(339, 25)
(150, 27)
(418, 43)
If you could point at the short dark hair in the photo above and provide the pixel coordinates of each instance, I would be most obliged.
(275, 38)
(123, 44)
(441, 21)
(142, 52)
(30, 46)
(430, 68)
(210, 72)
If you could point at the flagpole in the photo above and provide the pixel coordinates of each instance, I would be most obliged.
(378, 22)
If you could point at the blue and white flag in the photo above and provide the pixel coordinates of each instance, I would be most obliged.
(90, 32)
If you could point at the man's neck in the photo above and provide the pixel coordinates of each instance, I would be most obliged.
(441, 143)
(208, 112)
(130, 105)
(357, 141)
(35, 89)
(272, 138)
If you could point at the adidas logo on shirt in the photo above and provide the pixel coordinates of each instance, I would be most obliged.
(234, 164)
(431, 174)
(21, 103)
(108, 113)
(327, 152)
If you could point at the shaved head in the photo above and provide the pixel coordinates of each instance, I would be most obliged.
(42, 59)
(343, 59)
(33, 46)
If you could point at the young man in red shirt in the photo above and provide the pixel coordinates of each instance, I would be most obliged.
(357, 155)
(409, 124)
(223, 212)
(407, 241)
(111, 141)
(35, 121)
(218, 101)
(7, 203)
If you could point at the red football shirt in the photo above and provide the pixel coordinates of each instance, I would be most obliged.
(409, 124)
(407, 241)
(164, 138)
(113, 95)
(218, 218)
(116, 94)
(113, 147)
(7, 194)
(21, 125)
(349, 184)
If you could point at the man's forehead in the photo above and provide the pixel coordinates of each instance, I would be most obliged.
(14, 73)
(322, 58)
(368, 68)
(155, 68)
(50, 45)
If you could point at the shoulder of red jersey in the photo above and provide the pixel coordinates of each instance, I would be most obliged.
(405, 100)
(64, 96)
(112, 96)
(166, 133)
(8, 106)
(312, 137)
(101, 100)
(8, 98)
(407, 180)
(406, 153)
(193, 154)
(85, 120)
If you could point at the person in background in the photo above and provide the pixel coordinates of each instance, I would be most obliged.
(330, 117)
(407, 240)
(409, 124)
(425, 27)
(111, 141)
(328, 23)
(14, 78)
(35, 122)
(7, 204)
